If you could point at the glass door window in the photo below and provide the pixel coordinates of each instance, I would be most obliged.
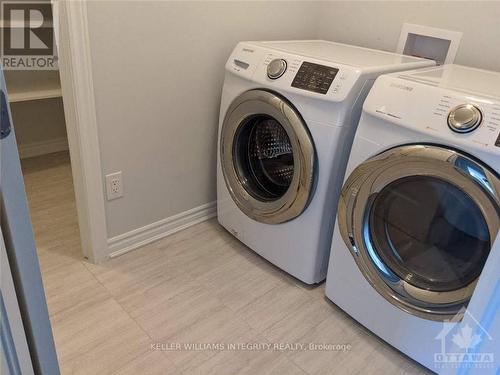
(264, 157)
(267, 157)
(430, 232)
(420, 221)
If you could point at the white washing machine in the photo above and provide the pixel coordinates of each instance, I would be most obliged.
(287, 119)
(419, 209)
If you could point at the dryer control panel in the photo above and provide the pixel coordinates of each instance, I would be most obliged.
(471, 118)
(458, 117)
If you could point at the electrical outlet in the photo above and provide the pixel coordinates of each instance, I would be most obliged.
(114, 185)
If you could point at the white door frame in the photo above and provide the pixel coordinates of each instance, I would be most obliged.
(75, 68)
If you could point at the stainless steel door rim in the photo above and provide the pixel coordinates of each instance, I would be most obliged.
(290, 204)
(369, 179)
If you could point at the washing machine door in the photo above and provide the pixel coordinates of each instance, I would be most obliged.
(420, 221)
(267, 157)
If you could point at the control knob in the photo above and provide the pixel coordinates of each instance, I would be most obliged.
(276, 68)
(464, 118)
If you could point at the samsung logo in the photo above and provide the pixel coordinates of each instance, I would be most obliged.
(401, 86)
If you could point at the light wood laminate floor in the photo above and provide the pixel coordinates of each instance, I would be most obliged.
(199, 286)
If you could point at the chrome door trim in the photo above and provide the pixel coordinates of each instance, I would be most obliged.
(368, 179)
(295, 200)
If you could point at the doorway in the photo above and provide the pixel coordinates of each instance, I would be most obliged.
(36, 103)
(60, 106)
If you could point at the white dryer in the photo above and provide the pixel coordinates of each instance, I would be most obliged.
(419, 210)
(287, 119)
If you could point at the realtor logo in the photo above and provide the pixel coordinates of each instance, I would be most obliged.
(27, 36)
(460, 343)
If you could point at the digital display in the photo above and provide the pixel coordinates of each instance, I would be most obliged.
(314, 77)
(497, 143)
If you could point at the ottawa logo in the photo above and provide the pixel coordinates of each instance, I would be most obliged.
(460, 344)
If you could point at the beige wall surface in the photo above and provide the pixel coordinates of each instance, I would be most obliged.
(158, 69)
(38, 121)
(377, 24)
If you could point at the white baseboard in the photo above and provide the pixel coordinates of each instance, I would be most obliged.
(142, 236)
(30, 150)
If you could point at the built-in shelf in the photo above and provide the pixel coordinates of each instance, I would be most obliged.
(24, 86)
(42, 93)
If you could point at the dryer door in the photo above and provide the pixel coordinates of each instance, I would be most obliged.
(420, 221)
(267, 157)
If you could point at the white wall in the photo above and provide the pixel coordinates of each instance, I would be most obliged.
(377, 24)
(158, 69)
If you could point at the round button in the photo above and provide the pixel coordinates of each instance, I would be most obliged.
(276, 68)
(464, 118)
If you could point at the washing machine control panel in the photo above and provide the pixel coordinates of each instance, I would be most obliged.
(314, 77)
(294, 74)
(306, 76)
